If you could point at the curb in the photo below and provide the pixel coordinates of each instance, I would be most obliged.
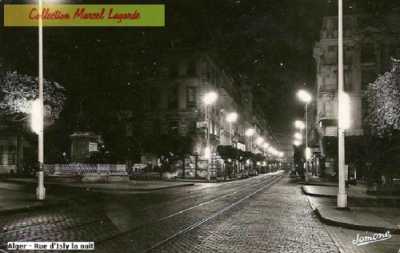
(354, 226)
(104, 189)
(387, 202)
(316, 194)
(129, 190)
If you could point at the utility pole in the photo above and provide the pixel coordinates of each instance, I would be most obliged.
(342, 194)
(40, 190)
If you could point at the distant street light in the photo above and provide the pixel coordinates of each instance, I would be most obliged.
(298, 136)
(299, 124)
(296, 143)
(231, 118)
(250, 132)
(306, 98)
(259, 141)
(209, 100)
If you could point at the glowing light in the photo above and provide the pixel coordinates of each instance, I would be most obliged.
(296, 143)
(299, 124)
(298, 136)
(250, 132)
(232, 117)
(207, 153)
(304, 96)
(36, 117)
(266, 145)
(345, 111)
(210, 98)
(259, 141)
(308, 153)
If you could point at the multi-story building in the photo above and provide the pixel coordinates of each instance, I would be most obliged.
(367, 52)
(175, 107)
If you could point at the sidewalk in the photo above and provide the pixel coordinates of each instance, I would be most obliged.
(365, 212)
(16, 197)
(131, 186)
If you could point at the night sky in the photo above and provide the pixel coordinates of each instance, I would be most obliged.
(263, 42)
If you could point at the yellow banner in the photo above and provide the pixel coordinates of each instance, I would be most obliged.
(143, 15)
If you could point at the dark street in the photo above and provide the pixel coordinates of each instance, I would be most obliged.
(267, 213)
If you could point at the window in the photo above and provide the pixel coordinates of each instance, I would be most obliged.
(191, 95)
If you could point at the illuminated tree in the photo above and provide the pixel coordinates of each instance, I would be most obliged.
(383, 100)
(17, 91)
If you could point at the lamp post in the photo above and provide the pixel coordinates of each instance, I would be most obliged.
(306, 98)
(344, 120)
(208, 99)
(39, 110)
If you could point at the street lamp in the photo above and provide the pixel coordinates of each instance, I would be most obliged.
(39, 111)
(344, 120)
(250, 133)
(299, 124)
(209, 99)
(306, 98)
(259, 141)
(298, 136)
(231, 118)
(296, 143)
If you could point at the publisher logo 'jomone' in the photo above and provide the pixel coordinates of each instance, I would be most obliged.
(57, 246)
(85, 15)
(369, 238)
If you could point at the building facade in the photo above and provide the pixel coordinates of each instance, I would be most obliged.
(367, 52)
(174, 107)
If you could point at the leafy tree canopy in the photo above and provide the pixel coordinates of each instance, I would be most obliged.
(383, 99)
(17, 91)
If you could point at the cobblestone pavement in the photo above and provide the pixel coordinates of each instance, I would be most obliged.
(344, 238)
(278, 219)
(259, 214)
(121, 222)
